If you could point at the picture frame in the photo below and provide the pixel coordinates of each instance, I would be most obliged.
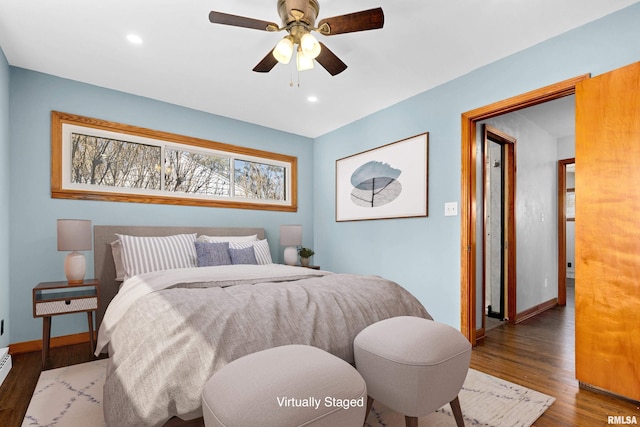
(570, 204)
(94, 159)
(390, 181)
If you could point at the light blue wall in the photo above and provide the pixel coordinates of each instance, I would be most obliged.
(33, 256)
(423, 254)
(4, 197)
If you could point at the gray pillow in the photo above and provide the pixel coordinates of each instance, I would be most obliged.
(210, 253)
(243, 256)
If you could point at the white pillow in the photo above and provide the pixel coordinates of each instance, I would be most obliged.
(116, 251)
(260, 248)
(146, 254)
(215, 239)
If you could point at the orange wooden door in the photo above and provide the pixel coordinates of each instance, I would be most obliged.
(608, 231)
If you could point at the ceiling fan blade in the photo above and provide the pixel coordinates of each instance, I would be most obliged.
(267, 63)
(371, 19)
(241, 21)
(330, 61)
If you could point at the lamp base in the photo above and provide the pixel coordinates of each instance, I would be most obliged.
(291, 255)
(75, 266)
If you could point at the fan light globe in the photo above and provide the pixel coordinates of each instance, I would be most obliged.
(284, 50)
(303, 62)
(310, 46)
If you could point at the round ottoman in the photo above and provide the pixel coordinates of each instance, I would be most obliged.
(413, 365)
(291, 385)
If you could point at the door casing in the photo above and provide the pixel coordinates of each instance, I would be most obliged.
(508, 144)
(562, 229)
(468, 212)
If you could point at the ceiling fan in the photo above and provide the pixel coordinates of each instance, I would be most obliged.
(298, 19)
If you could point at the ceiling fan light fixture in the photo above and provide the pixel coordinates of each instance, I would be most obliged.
(310, 45)
(298, 18)
(284, 50)
(303, 62)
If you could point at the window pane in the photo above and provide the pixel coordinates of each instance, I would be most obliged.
(101, 160)
(259, 180)
(109, 162)
(194, 173)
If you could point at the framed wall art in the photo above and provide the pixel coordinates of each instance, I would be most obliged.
(570, 202)
(386, 182)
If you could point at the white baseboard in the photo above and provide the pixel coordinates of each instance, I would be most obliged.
(5, 363)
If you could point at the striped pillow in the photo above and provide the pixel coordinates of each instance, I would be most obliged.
(260, 247)
(146, 254)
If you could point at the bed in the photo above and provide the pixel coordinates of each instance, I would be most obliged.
(167, 332)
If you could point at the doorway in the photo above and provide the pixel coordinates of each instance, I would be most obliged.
(566, 226)
(468, 206)
(499, 224)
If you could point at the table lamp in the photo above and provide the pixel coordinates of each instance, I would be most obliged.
(74, 235)
(291, 237)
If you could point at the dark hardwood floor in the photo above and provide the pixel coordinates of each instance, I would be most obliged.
(537, 353)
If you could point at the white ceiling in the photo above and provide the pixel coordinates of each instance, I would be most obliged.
(557, 117)
(188, 61)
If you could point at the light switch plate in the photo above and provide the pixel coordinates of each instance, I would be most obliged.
(451, 209)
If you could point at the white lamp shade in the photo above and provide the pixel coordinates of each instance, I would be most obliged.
(310, 46)
(303, 62)
(290, 235)
(74, 235)
(284, 50)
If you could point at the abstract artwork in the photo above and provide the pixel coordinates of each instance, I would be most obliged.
(385, 182)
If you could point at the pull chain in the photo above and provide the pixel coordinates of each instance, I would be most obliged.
(291, 78)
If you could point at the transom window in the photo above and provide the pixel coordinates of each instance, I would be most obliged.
(99, 160)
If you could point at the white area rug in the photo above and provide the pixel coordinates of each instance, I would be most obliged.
(72, 397)
(485, 401)
(68, 397)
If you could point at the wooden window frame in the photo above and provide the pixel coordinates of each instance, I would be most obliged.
(58, 190)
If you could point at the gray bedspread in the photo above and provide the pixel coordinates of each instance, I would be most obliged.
(170, 342)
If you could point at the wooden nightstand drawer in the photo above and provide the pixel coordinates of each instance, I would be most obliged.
(69, 306)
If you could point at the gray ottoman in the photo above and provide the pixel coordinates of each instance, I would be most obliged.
(292, 385)
(413, 365)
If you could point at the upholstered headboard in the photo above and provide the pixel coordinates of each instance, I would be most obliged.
(104, 266)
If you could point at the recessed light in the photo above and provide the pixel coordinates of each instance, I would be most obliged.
(134, 38)
(312, 98)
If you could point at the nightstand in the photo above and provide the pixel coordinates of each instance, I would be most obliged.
(314, 267)
(55, 298)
